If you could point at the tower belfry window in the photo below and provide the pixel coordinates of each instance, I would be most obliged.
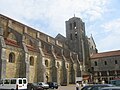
(70, 26)
(74, 25)
(76, 34)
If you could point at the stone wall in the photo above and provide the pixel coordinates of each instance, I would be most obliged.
(31, 49)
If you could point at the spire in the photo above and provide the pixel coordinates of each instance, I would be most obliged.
(74, 15)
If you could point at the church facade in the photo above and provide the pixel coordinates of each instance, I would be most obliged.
(26, 52)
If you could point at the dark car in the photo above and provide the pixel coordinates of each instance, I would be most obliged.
(87, 87)
(115, 82)
(111, 88)
(34, 86)
(52, 85)
(43, 85)
(99, 86)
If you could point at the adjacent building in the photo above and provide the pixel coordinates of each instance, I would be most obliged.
(105, 66)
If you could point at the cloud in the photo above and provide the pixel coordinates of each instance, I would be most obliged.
(53, 12)
(110, 39)
(112, 26)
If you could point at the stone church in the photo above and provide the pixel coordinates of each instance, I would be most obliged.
(26, 52)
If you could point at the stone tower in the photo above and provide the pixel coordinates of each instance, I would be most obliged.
(76, 39)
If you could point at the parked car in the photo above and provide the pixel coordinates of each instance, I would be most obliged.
(87, 87)
(99, 86)
(34, 86)
(115, 82)
(111, 88)
(52, 85)
(43, 85)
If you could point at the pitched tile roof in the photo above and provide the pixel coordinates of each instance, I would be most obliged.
(106, 54)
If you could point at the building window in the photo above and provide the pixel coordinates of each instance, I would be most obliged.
(95, 63)
(105, 63)
(116, 62)
(70, 26)
(46, 63)
(74, 25)
(67, 66)
(58, 64)
(11, 57)
(31, 60)
(75, 34)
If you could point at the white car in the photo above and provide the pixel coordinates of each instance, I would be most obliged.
(44, 85)
(13, 84)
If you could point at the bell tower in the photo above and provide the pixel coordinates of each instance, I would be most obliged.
(76, 38)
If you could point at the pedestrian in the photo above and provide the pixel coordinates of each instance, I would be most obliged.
(77, 86)
(103, 82)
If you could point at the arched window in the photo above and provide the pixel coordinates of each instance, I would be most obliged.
(31, 60)
(76, 34)
(70, 26)
(46, 63)
(67, 66)
(58, 64)
(11, 57)
(74, 25)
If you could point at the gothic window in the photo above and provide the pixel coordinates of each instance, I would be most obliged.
(11, 57)
(75, 34)
(67, 66)
(116, 62)
(70, 26)
(105, 63)
(95, 63)
(74, 25)
(31, 60)
(46, 63)
(58, 64)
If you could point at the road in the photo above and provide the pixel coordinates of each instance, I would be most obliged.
(69, 87)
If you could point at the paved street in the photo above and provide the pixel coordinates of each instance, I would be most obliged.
(69, 87)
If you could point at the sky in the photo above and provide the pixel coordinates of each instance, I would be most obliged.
(101, 17)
